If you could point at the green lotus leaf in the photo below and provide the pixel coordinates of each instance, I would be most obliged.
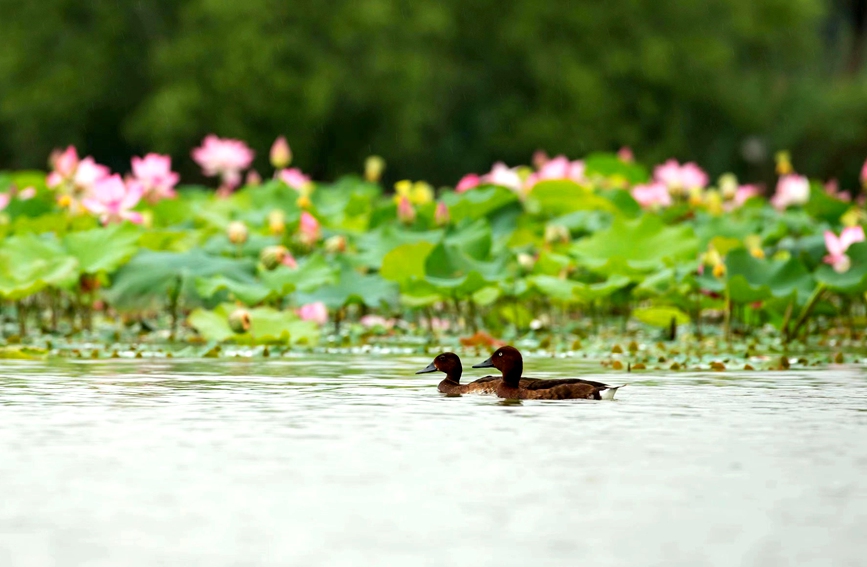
(352, 288)
(609, 165)
(149, 276)
(825, 207)
(660, 316)
(267, 325)
(406, 262)
(478, 203)
(312, 272)
(374, 245)
(29, 263)
(751, 279)
(247, 293)
(103, 249)
(631, 247)
(559, 197)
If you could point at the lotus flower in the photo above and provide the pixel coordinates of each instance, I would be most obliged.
(112, 200)
(441, 215)
(652, 195)
(405, 211)
(316, 312)
(89, 173)
(864, 174)
(64, 164)
(744, 193)
(27, 193)
(558, 168)
(308, 229)
(4, 200)
(281, 154)
(791, 190)
(294, 178)
(418, 193)
(154, 172)
(837, 247)
(680, 178)
(540, 158)
(625, 154)
(503, 176)
(237, 232)
(77, 176)
(467, 182)
(224, 157)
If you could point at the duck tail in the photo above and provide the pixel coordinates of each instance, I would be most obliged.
(608, 393)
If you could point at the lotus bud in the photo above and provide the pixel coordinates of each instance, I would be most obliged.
(405, 211)
(281, 154)
(272, 256)
(277, 222)
(713, 200)
(373, 168)
(526, 261)
(843, 264)
(239, 321)
(556, 233)
(625, 154)
(540, 158)
(696, 196)
(784, 163)
(719, 270)
(253, 178)
(308, 229)
(335, 244)
(728, 186)
(441, 215)
(237, 232)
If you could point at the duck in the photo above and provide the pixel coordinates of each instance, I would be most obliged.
(509, 361)
(450, 364)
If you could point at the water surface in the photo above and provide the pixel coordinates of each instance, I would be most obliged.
(350, 460)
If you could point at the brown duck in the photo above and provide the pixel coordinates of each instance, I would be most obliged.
(450, 363)
(509, 361)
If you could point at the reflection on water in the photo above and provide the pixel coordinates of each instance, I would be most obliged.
(357, 461)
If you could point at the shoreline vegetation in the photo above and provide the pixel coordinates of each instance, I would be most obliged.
(600, 258)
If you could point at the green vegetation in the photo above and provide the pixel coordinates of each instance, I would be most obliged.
(437, 88)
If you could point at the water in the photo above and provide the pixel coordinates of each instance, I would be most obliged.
(356, 461)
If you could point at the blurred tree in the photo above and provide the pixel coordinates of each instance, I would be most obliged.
(438, 88)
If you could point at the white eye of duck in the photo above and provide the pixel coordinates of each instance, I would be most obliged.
(501, 354)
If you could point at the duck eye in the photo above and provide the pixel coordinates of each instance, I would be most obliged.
(501, 354)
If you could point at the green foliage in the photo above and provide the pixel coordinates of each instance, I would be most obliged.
(410, 81)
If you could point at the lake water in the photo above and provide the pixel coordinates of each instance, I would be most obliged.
(354, 460)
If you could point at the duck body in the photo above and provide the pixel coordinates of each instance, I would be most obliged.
(509, 361)
(450, 364)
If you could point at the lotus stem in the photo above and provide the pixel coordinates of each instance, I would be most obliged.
(805, 313)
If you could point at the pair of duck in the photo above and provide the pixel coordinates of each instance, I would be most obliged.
(512, 384)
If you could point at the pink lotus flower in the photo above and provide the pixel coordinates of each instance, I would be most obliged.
(864, 174)
(289, 261)
(653, 195)
(294, 178)
(89, 173)
(154, 172)
(112, 200)
(837, 247)
(744, 193)
(316, 312)
(281, 154)
(680, 178)
(558, 168)
(369, 321)
(540, 158)
(467, 182)
(405, 211)
(308, 228)
(792, 189)
(832, 189)
(441, 215)
(625, 154)
(503, 176)
(224, 157)
(66, 162)
(27, 193)
(4, 200)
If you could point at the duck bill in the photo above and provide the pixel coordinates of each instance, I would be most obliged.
(429, 368)
(486, 364)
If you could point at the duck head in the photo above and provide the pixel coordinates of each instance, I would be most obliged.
(447, 362)
(507, 360)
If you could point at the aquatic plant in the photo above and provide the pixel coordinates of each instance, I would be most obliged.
(564, 246)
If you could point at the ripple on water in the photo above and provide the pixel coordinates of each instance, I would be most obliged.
(348, 460)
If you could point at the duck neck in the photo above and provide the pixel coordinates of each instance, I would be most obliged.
(453, 376)
(512, 375)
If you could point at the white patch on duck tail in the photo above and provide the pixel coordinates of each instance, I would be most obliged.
(608, 393)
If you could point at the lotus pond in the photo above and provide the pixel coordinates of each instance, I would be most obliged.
(590, 257)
